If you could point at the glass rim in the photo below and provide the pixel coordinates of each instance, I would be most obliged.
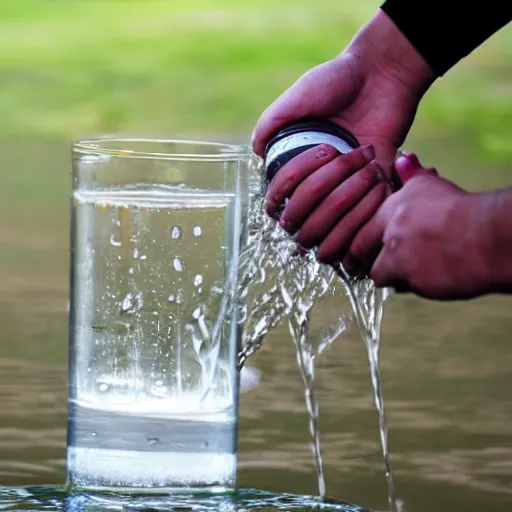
(220, 151)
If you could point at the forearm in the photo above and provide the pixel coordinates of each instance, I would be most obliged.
(497, 229)
(445, 31)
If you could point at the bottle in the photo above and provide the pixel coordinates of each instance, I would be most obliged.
(298, 136)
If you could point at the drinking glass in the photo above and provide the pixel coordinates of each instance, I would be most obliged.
(156, 232)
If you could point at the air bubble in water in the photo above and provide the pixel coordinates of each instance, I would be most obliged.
(175, 232)
(127, 302)
(130, 303)
(198, 280)
(114, 242)
(178, 265)
(198, 231)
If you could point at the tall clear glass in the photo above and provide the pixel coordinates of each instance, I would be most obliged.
(157, 228)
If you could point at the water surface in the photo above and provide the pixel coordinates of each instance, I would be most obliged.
(446, 371)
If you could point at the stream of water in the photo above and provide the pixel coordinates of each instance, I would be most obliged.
(279, 283)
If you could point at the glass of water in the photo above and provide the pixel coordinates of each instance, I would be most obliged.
(157, 228)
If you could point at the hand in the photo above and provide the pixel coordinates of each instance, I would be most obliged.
(431, 237)
(372, 89)
(332, 196)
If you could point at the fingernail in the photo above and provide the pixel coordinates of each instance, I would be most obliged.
(369, 152)
(414, 160)
(404, 164)
(324, 150)
(411, 160)
(380, 175)
(301, 250)
(286, 225)
(350, 265)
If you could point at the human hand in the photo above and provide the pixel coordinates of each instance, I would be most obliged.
(331, 196)
(431, 238)
(372, 89)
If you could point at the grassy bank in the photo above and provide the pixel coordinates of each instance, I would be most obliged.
(160, 67)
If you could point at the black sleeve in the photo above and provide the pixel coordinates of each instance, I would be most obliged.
(445, 31)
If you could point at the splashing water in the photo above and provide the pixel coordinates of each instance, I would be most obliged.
(278, 283)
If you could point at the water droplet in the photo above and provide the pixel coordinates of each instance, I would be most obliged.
(178, 265)
(130, 271)
(103, 387)
(131, 303)
(196, 314)
(143, 257)
(171, 298)
(127, 302)
(118, 223)
(198, 280)
(135, 253)
(176, 232)
(198, 231)
(114, 242)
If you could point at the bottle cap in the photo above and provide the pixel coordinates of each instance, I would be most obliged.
(299, 136)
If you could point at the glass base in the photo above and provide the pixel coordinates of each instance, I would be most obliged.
(127, 471)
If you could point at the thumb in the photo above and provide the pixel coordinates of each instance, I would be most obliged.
(407, 165)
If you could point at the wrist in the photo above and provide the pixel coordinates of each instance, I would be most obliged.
(382, 45)
(494, 214)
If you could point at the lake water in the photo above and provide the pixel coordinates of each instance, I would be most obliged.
(446, 372)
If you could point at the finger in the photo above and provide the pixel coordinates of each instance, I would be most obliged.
(338, 203)
(294, 172)
(387, 269)
(321, 183)
(338, 239)
(360, 268)
(370, 235)
(407, 165)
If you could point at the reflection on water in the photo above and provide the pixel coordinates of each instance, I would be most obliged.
(56, 499)
(446, 372)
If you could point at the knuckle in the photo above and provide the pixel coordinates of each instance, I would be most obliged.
(402, 214)
(317, 188)
(392, 239)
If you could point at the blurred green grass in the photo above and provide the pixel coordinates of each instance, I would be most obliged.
(174, 67)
